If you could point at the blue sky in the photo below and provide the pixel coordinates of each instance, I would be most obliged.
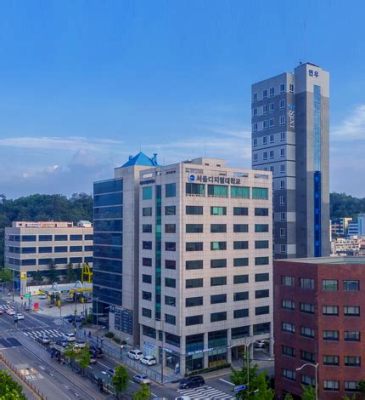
(83, 84)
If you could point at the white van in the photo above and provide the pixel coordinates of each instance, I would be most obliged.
(135, 354)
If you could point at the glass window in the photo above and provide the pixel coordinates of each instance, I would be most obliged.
(288, 304)
(89, 237)
(194, 301)
(262, 328)
(147, 228)
(170, 190)
(331, 385)
(45, 238)
(218, 228)
(218, 263)
(170, 301)
(307, 308)
(112, 185)
(29, 250)
(110, 199)
(240, 332)
(330, 310)
(194, 210)
(260, 294)
(351, 286)
(217, 191)
(240, 210)
(218, 245)
(147, 193)
(60, 238)
(29, 262)
(170, 228)
(259, 228)
(288, 351)
(170, 264)
(352, 311)
(218, 210)
(170, 319)
(73, 260)
(195, 189)
(194, 283)
(261, 260)
(146, 312)
(240, 262)
(240, 296)
(64, 260)
(218, 316)
(147, 211)
(194, 320)
(306, 283)
(170, 210)
(194, 264)
(147, 262)
(237, 279)
(170, 282)
(60, 249)
(352, 336)
(330, 335)
(194, 246)
(45, 249)
(260, 193)
(218, 281)
(307, 332)
(240, 192)
(261, 212)
(218, 298)
(240, 228)
(75, 237)
(242, 313)
(261, 244)
(194, 228)
(261, 277)
(262, 310)
(147, 245)
(351, 386)
(288, 327)
(170, 246)
(146, 278)
(287, 280)
(330, 360)
(240, 245)
(29, 238)
(330, 285)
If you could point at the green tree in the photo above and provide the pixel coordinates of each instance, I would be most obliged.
(70, 272)
(288, 396)
(144, 393)
(255, 382)
(9, 389)
(309, 392)
(120, 380)
(361, 387)
(80, 356)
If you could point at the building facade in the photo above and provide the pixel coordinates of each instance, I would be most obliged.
(290, 137)
(43, 251)
(205, 266)
(318, 304)
(116, 224)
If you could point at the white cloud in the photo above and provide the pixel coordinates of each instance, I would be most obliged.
(352, 127)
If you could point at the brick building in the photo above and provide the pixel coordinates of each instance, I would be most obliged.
(318, 304)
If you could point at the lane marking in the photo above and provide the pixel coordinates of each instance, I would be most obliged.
(228, 383)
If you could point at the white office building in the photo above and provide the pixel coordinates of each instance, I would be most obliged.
(205, 262)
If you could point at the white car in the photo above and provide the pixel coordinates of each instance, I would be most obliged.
(10, 311)
(42, 297)
(18, 316)
(142, 379)
(135, 354)
(79, 344)
(148, 360)
(70, 337)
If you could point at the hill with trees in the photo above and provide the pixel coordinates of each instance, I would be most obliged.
(343, 205)
(43, 207)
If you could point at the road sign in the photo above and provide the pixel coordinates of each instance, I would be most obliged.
(239, 388)
(27, 295)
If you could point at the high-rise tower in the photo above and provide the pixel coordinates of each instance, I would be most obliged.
(290, 137)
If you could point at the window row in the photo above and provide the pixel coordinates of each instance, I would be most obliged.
(48, 238)
(50, 261)
(48, 249)
(267, 108)
(272, 91)
(264, 140)
(328, 285)
(268, 123)
(225, 191)
(269, 155)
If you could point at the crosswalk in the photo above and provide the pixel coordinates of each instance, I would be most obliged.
(206, 393)
(51, 333)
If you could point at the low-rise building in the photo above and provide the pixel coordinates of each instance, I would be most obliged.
(46, 251)
(318, 324)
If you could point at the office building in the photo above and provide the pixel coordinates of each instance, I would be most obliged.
(116, 224)
(318, 305)
(42, 252)
(339, 227)
(290, 129)
(205, 265)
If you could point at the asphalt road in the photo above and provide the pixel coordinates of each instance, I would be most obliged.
(59, 382)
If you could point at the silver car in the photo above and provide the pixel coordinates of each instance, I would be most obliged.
(141, 379)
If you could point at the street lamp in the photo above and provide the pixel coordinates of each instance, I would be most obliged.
(315, 366)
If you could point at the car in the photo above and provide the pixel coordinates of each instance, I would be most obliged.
(42, 297)
(18, 316)
(142, 379)
(10, 311)
(80, 344)
(110, 371)
(97, 351)
(260, 344)
(191, 382)
(62, 342)
(44, 340)
(70, 337)
(148, 360)
(135, 354)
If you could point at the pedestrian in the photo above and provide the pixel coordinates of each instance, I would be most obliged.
(89, 334)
